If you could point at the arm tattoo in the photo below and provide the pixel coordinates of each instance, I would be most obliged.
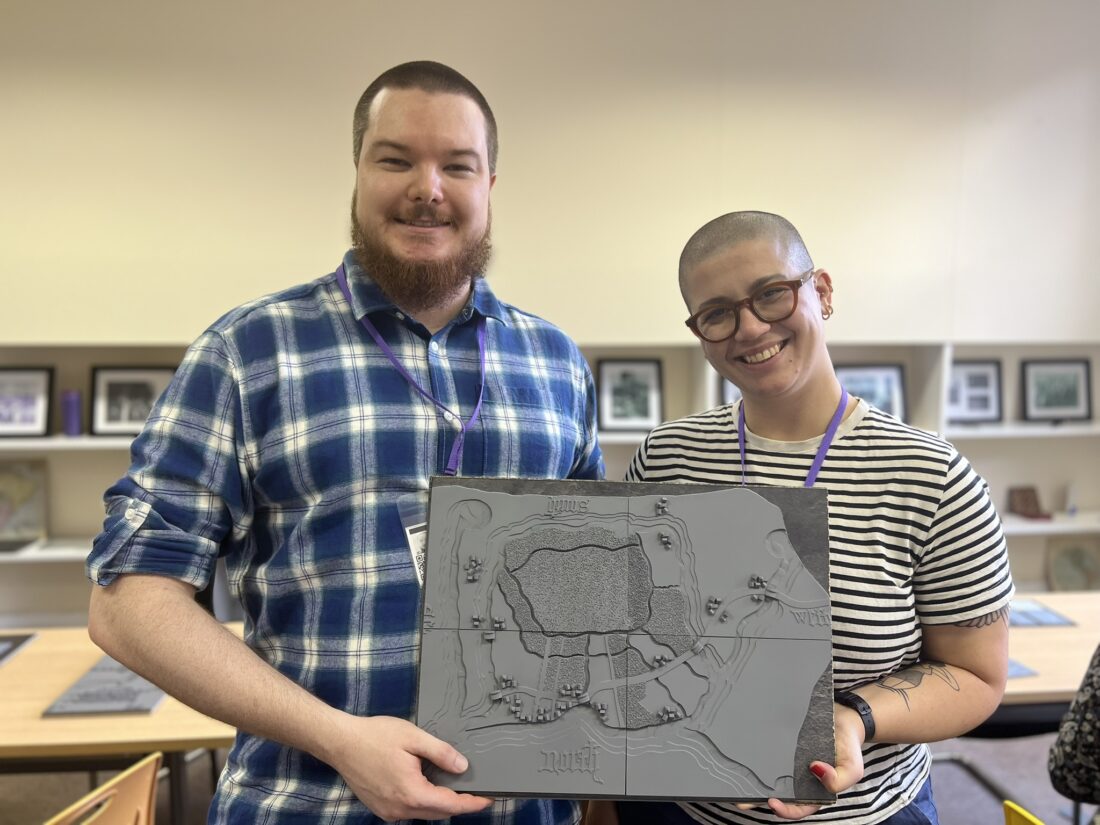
(908, 678)
(986, 620)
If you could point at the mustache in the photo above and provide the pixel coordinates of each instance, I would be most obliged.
(424, 212)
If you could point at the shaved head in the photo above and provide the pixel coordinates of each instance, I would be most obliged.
(736, 227)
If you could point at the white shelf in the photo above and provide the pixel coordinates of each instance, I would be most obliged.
(59, 443)
(1061, 524)
(50, 551)
(621, 438)
(1037, 429)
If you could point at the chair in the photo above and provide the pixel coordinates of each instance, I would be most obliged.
(1015, 815)
(127, 799)
(1007, 722)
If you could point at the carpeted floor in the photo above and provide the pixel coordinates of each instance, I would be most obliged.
(1020, 764)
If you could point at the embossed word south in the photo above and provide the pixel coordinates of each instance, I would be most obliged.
(583, 760)
(555, 506)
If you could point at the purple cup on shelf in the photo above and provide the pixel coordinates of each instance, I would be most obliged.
(72, 412)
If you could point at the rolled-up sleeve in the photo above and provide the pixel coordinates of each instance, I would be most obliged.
(186, 496)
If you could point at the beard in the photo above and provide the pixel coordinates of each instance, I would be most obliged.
(416, 286)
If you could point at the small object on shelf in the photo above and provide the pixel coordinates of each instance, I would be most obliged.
(25, 394)
(974, 392)
(881, 385)
(72, 412)
(22, 503)
(629, 394)
(123, 397)
(1073, 563)
(1071, 500)
(1024, 501)
(1056, 390)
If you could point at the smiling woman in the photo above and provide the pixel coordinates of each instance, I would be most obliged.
(920, 577)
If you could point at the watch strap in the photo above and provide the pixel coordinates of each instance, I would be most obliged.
(860, 706)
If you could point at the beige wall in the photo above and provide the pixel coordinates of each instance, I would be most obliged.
(162, 163)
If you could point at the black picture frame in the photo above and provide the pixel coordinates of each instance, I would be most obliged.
(881, 385)
(1056, 389)
(630, 395)
(122, 397)
(26, 401)
(975, 394)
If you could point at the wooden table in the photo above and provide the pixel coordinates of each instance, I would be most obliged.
(41, 670)
(1058, 653)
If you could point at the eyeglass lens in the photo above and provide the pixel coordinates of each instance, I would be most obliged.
(773, 302)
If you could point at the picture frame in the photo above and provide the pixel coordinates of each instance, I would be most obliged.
(1056, 389)
(1073, 562)
(728, 392)
(880, 385)
(26, 394)
(122, 397)
(974, 392)
(630, 394)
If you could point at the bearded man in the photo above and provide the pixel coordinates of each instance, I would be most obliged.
(297, 432)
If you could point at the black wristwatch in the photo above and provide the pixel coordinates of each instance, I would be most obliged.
(860, 706)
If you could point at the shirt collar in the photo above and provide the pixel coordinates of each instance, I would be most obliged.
(367, 297)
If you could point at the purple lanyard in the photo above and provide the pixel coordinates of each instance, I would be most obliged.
(456, 451)
(826, 440)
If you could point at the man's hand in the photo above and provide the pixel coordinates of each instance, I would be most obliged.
(379, 758)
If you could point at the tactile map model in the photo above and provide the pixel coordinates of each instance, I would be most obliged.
(600, 639)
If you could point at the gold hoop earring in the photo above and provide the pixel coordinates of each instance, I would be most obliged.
(827, 312)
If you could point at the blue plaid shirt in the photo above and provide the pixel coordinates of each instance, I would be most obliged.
(283, 445)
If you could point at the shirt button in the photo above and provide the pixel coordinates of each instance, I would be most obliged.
(400, 316)
(448, 417)
(433, 346)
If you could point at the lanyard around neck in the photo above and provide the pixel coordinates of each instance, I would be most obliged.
(455, 458)
(826, 440)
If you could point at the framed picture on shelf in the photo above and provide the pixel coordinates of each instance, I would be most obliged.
(728, 392)
(22, 502)
(122, 397)
(25, 394)
(1073, 562)
(630, 395)
(1056, 390)
(974, 392)
(881, 385)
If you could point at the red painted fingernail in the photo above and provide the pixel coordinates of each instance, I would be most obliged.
(818, 771)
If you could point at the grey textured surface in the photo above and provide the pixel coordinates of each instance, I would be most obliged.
(109, 687)
(628, 640)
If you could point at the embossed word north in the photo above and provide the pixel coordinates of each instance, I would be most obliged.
(555, 506)
(817, 617)
(583, 760)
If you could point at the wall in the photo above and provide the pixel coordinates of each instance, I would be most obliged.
(163, 163)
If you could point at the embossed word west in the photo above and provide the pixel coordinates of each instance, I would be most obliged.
(818, 617)
(583, 760)
(555, 506)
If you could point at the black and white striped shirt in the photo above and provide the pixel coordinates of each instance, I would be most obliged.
(913, 540)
